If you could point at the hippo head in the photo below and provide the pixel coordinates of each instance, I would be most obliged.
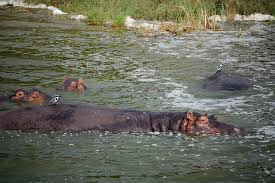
(72, 84)
(37, 97)
(200, 124)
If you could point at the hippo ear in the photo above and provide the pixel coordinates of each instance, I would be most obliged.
(80, 81)
(213, 117)
(189, 114)
(35, 94)
(205, 114)
(66, 77)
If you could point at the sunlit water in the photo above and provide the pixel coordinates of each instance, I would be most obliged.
(124, 70)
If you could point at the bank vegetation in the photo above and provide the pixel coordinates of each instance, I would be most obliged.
(192, 13)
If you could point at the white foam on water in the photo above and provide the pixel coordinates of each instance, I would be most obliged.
(179, 97)
(144, 75)
(204, 45)
(146, 80)
(267, 131)
(272, 104)
(174, 84)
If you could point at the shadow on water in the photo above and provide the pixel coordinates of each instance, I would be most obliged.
(123, 70)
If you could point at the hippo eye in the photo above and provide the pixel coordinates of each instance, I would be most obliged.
(20, 94)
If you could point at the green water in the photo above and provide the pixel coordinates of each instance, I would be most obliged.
(123, 70)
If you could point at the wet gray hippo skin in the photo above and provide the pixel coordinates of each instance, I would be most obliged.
(222, 81)
(4, 98)
(63, 117)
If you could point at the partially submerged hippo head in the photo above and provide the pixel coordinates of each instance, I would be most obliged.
(38, 97)
(73, 84)
(222, 81)
(202, 124)
(33, 96)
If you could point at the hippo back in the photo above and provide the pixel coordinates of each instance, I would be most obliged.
(222, 81)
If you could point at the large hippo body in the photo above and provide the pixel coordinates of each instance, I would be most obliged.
(64, 117)
(79, 117)
(222, 81)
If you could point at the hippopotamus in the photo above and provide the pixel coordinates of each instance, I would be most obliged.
(73, 84)
(33, 96)
(68, 117)
(222, 81)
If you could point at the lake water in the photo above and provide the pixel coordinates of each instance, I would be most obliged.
(123, 70)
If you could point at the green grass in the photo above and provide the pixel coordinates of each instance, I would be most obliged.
(187, 12)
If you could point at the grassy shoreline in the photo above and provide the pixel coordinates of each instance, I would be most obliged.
(188, 12)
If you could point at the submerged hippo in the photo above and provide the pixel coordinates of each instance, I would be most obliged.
(222, 81)
(73, 84)
(64, 117)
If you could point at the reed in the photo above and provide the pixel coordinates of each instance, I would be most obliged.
(191, 13)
